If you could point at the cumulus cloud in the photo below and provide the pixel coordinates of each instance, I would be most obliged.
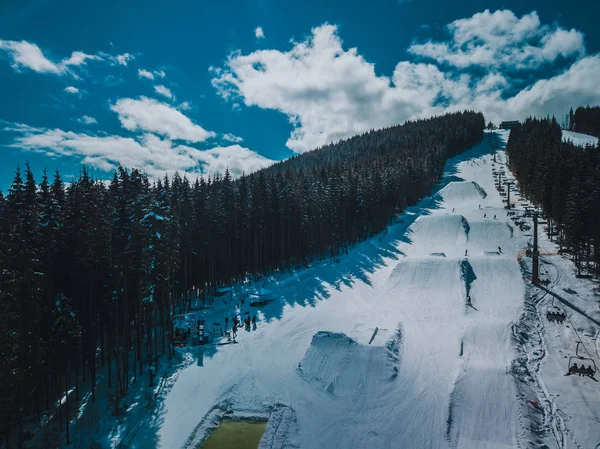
(164, 91)
(147, 152)
(71, 90)
(232, 138)
(148, 115)
(24, 54)
(502, 40)
(259, 33)
(87, 120)
(330, 93)
(145, 74)
(142, 73)
(124, 58)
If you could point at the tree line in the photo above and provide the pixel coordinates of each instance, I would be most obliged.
(585, 120)
(563, 179)
(92, 273)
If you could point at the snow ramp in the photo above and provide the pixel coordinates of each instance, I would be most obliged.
(462, 191)
(488, 235)
(343, 369)
(439, 234)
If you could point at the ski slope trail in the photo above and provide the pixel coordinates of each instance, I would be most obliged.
(381, 350)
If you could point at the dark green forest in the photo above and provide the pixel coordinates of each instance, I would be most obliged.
(92, 273)
(564, 180)
(585, 120)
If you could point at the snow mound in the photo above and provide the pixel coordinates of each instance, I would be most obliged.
(487, 235)
(579, 139)
(338, 366)
(449, 230)
(462, 191)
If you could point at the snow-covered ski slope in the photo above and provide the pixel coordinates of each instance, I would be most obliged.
(438, 373)
(579, 139)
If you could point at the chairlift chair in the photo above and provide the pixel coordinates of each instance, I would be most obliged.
(587, 364)
(555, 313)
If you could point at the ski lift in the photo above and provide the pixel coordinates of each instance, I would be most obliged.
(554, 313)
(587, 367)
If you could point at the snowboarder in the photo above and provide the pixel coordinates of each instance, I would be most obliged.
(500, 250)
(484, 215)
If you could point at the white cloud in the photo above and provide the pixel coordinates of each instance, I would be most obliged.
(232, 138)
(329, 93)
(184, 106)
(164, 91)
(124, 58)
(326, 92)
(23, 54)
(259, 33)
(502, 40)
(146, 114)
(148, 152)
(79, 58)
(145, 74)
(71, 90)
(27, 55)
(87, 120)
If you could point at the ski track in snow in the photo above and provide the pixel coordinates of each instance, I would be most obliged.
(438, 374)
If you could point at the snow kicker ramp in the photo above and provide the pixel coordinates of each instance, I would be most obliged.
(462, 191)
(439, 234)
(343, 369)
(486, 235)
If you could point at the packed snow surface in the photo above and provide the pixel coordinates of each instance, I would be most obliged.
(579, 139)
(380, 349)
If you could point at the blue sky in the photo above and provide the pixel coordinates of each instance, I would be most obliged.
(200, 86)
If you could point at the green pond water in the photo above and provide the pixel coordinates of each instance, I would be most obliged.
(236, 435)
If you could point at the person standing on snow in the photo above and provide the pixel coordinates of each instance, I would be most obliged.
(466, 252)
(500, 250)
(469, 300)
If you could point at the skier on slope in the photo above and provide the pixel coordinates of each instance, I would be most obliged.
(469, 300)
(500, 250)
